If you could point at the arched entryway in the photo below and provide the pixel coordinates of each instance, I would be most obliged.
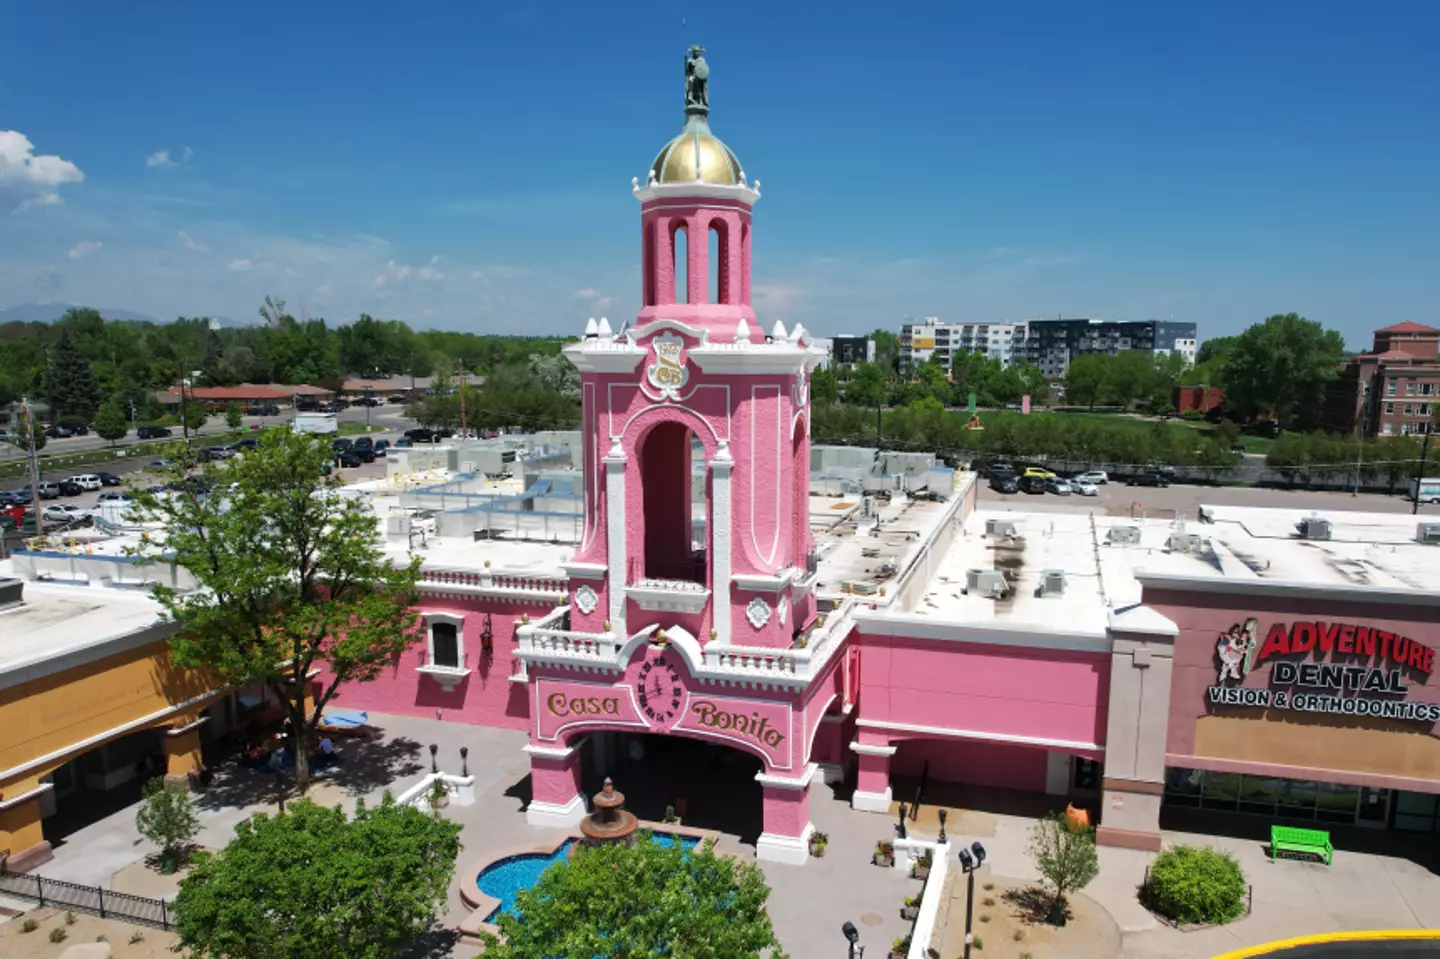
(673, 509)
(710, 786)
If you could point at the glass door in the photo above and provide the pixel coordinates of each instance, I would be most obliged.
(1373, 808)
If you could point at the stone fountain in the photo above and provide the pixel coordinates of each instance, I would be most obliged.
(609, 821)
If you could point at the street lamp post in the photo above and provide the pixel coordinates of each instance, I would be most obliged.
(970, 860)
(852, 935)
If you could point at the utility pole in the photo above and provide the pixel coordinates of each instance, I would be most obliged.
(1360, 445)
(34, 471)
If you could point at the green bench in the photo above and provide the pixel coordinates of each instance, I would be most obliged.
(1307, 842)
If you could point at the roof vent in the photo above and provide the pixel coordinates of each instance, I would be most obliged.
(1052, 583)
(1183, 543)
(12, 592)
(986, 582)
(1313, 527)
(1123, 534)
(1000, 527)
(1424, 532)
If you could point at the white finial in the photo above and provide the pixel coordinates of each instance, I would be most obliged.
(591, 329)
(742, 177)
(757, 186)
(796, 333)
(742, 331)
(777, 332)
(605, 331)
(635, 183)
(653, 178)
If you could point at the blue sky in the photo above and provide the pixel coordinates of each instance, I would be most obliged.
(467, 166)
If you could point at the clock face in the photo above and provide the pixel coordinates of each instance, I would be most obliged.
(660, 691)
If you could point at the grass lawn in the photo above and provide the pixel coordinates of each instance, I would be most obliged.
(350, 428)
(1252, 444)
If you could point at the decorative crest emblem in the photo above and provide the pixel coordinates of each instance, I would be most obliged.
(1236, 650)
(668, 373)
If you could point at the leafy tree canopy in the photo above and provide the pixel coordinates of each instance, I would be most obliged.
(110, 421)
(1281, 366)
(618, 901)
(309, 884)
(70, 384)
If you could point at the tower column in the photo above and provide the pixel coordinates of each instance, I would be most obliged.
(697, 255)
(615, 535)
(555, 798)
(721, 468)
(787, 818)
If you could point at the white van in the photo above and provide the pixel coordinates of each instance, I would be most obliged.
(87, 481)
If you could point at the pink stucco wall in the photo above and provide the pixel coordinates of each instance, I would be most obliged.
(985, 688)
(555, 781)
(485, 698)
(1202, 617)
(787, 811)
(977, 763)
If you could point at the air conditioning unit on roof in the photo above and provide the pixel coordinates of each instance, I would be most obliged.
(986, 582)
(1313, 527)
(1123, 534)
(1428, 532)
(1183, 542)
(1052, 583)
(1000, 527)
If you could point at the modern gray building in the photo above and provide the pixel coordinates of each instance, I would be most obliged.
(1052, 344)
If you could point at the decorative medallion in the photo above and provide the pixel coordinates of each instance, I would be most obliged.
(586, 599)
(660, 691)
(800, 392)
(758, 612)
(668, 373)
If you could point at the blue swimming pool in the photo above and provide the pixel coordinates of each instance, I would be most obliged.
(504, 879)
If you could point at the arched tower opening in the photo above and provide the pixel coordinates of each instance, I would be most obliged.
(667, 455)
(680, 263)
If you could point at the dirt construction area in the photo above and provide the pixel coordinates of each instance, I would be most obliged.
(124, 940)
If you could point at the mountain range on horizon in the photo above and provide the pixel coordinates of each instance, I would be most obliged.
(50, 312)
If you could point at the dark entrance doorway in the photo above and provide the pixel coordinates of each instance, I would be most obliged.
(711, 786)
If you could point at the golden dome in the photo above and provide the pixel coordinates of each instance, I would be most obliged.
(696, 156)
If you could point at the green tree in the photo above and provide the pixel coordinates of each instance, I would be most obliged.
(887, 351)
(1065, 857)
(1215, 349)
(1086, 380)
(110, 421)
(641, 900)
(167, 818)
(823, 386)
(1281, 366)
(292, 576)
(867, 386)
(308, 884)
(193, 415)
(70, 384)
(232, 416)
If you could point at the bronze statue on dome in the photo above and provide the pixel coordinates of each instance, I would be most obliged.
(697, 80)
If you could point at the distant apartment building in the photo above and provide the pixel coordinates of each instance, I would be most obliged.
(1393, 389)
(847, 349)
(1052, 344)
(934, 337)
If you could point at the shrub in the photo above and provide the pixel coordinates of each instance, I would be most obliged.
(1196, 884)
(29, 925)
(58, 934)
(69, 918)
(137, 937)
(1065, 857)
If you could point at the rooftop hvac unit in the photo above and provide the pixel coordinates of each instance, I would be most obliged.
(1000, 527)
(1052, 583)
(1428, 532)
(1183, 543)
(1313, 527)
(986, 582)
(1124, 535)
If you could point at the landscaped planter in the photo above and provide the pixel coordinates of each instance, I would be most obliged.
(818, 842)
(884, 854)
(911, 909)
(900, 948)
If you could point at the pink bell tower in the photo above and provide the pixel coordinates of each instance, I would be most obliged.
(692, 606)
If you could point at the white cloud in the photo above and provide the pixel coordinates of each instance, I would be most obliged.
(241, 266)
(28, 180)
(588, 293)
(435, 259)
(195, 245)
(159, 158)
(429, 274)
(396, 273)
(81, 250)
(187, 156)
(603, 303)
(501, 272)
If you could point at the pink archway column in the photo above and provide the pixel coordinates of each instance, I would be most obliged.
(555, 798)
(872, 785)
(786, 803)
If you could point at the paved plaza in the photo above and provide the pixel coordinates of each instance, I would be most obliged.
(809, 903)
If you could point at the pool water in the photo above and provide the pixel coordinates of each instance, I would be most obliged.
(503, 880)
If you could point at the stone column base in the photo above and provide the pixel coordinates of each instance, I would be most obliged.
(27, 859)
(871, 802)
(555, 816)
(792, 850)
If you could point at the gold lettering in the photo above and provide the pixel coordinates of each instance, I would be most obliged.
(752, 727)
(556, 702)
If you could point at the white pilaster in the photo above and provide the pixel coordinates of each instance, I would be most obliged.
(791, 850)
(554, 816)
(720, 470)
(615, 534)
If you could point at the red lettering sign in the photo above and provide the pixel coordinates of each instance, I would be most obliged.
(1347, 640)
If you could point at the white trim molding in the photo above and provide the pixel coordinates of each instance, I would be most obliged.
(790, 850)
(615, 553)
(871, 802)
(1268, 587)
(739, 192)
(10, 802)
(554, 816)
(447, 675)
(187, 727)
(872, 749)
(916, 626)
(604, 356)
(656, 597)
(763, 583)
(969, 734)
(585, 570)
(782, 782)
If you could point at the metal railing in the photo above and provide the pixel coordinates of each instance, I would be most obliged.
(91, 899)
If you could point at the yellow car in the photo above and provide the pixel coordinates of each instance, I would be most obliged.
(1038, 473)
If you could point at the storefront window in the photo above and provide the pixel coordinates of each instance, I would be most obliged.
(1415, 812)
(1288, 798)
(1259, 794)
(1297, 799)
(1182, 786)
(1336, 802)
(1220, 790)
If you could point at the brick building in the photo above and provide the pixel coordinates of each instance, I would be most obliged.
(1393, 389)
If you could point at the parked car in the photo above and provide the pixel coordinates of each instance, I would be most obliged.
(307, 406)
(1150, 477)
(1032, 484)
(152, 432)
(1096, 477)
(57, 432)
(381, 446)
(398, 399)
(113, 498)
(1057, 486)
(421, 434)
(1038, 473)
(404, 443)
(47, 489)
(348, 459)
(65, 513)
(18, 497)
(1004, 483)
(367, 401)
(217, 452)
(1084, 488)
(262, 409)
(160, 465)
(87, 481)
(109, 479)
(245, 445)
(364, 453)
(68, 487)
(341, 445)
(363, 443)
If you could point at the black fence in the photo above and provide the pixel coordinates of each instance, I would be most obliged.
(91, 899)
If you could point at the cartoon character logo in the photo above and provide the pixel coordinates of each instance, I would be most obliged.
(1236, 649)
(668, 373)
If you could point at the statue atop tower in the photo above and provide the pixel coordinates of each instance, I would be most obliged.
(697, 81)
